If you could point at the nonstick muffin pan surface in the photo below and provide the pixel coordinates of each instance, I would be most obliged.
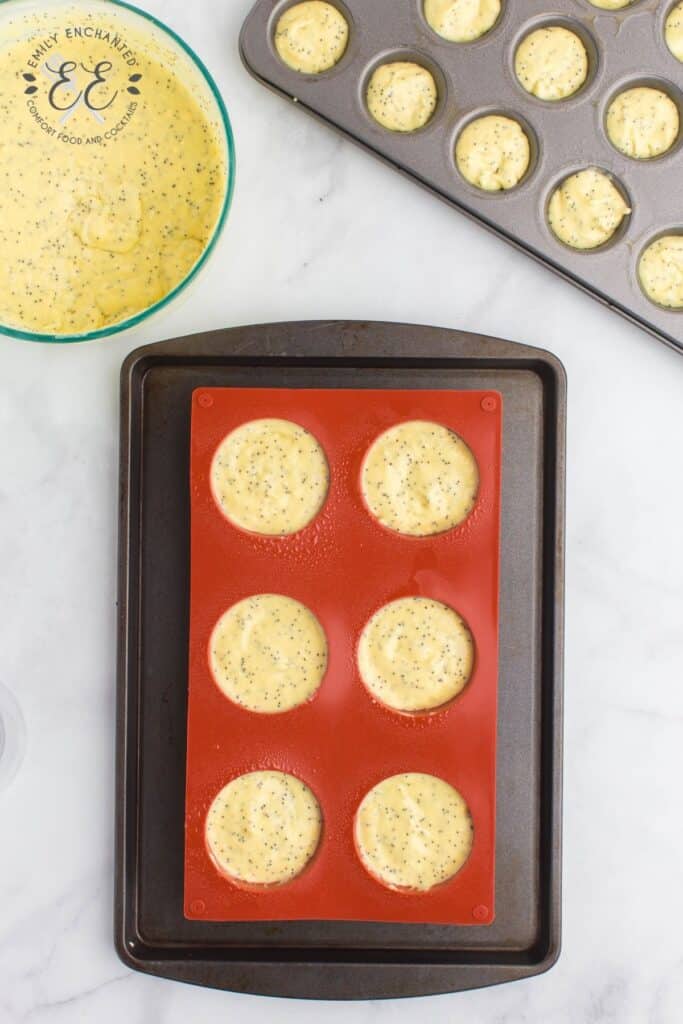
(625, 48)
(343, 567)
(333, 958)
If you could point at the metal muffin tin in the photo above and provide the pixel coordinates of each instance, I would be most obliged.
(326, 958)
(625, 48)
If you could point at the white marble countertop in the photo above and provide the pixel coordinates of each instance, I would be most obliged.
(318, 229)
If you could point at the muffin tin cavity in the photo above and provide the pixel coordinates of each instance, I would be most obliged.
(311, 37)
(588, 210)
(343, 656)
(673, 30)
(495, 151)
(659, 269)
(642, 119)
(402, 92)
(459, 22)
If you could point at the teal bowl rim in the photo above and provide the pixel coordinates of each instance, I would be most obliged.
(133, 321)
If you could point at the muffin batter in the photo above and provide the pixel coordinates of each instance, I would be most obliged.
(112, 175)
(642, 122)
(311, 37)
(586, 209)
(419, 478)
(263, 828)
(268, 653)
(661, 271)
(401, 96)
(270, 476)
(673, 31)
(415, 654)
(413, 831)
(461, 21)
(492, 153)
(611, 5)
(551, 63)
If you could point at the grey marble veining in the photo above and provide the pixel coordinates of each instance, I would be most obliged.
(319, 229)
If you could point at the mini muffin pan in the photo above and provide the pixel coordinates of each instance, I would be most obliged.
(344, 566)
(274, 943)
(625, 48)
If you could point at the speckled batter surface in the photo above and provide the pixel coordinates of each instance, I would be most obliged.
(415, 654)
(673, 31)
(401, 96)
(263, 828)
(268, 653)
(461, 21)
(413, 831)
(311, 37)
(420, 478)
(551, 63)
(492, 153)
(270, 476)
(586, 209)
(661, 271)
(111, 175)
(642, 122)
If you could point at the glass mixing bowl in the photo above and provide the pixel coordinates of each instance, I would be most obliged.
(152, 39)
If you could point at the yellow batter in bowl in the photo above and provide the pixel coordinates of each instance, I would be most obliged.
(311, 37)
(402, 96)
(461, 21)
(263, 828)
(268, 653)
(673, 31)
(586, 209)
(113, 166)
(642, 122)
(660, 271)
(270, 476)
(493, 153)
(551, 63)
(419, 478)
(413, 831)
(415, 654)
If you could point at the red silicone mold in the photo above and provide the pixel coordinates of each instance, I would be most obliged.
(344, 566)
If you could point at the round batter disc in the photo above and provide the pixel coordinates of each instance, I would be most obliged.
(419, 478)
(673, 31)
(311, 37)
(270, 476)
(413, 831)
(660, 270)
(586, 209)
(611, 5)
(268, 653)
(401, 96)
(461, 21)
(642, 122)
(551, 63)
(415, 654)
(492, 153)
(263, 828)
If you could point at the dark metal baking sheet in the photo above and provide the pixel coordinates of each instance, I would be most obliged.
(333, 959)
(625, 48)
